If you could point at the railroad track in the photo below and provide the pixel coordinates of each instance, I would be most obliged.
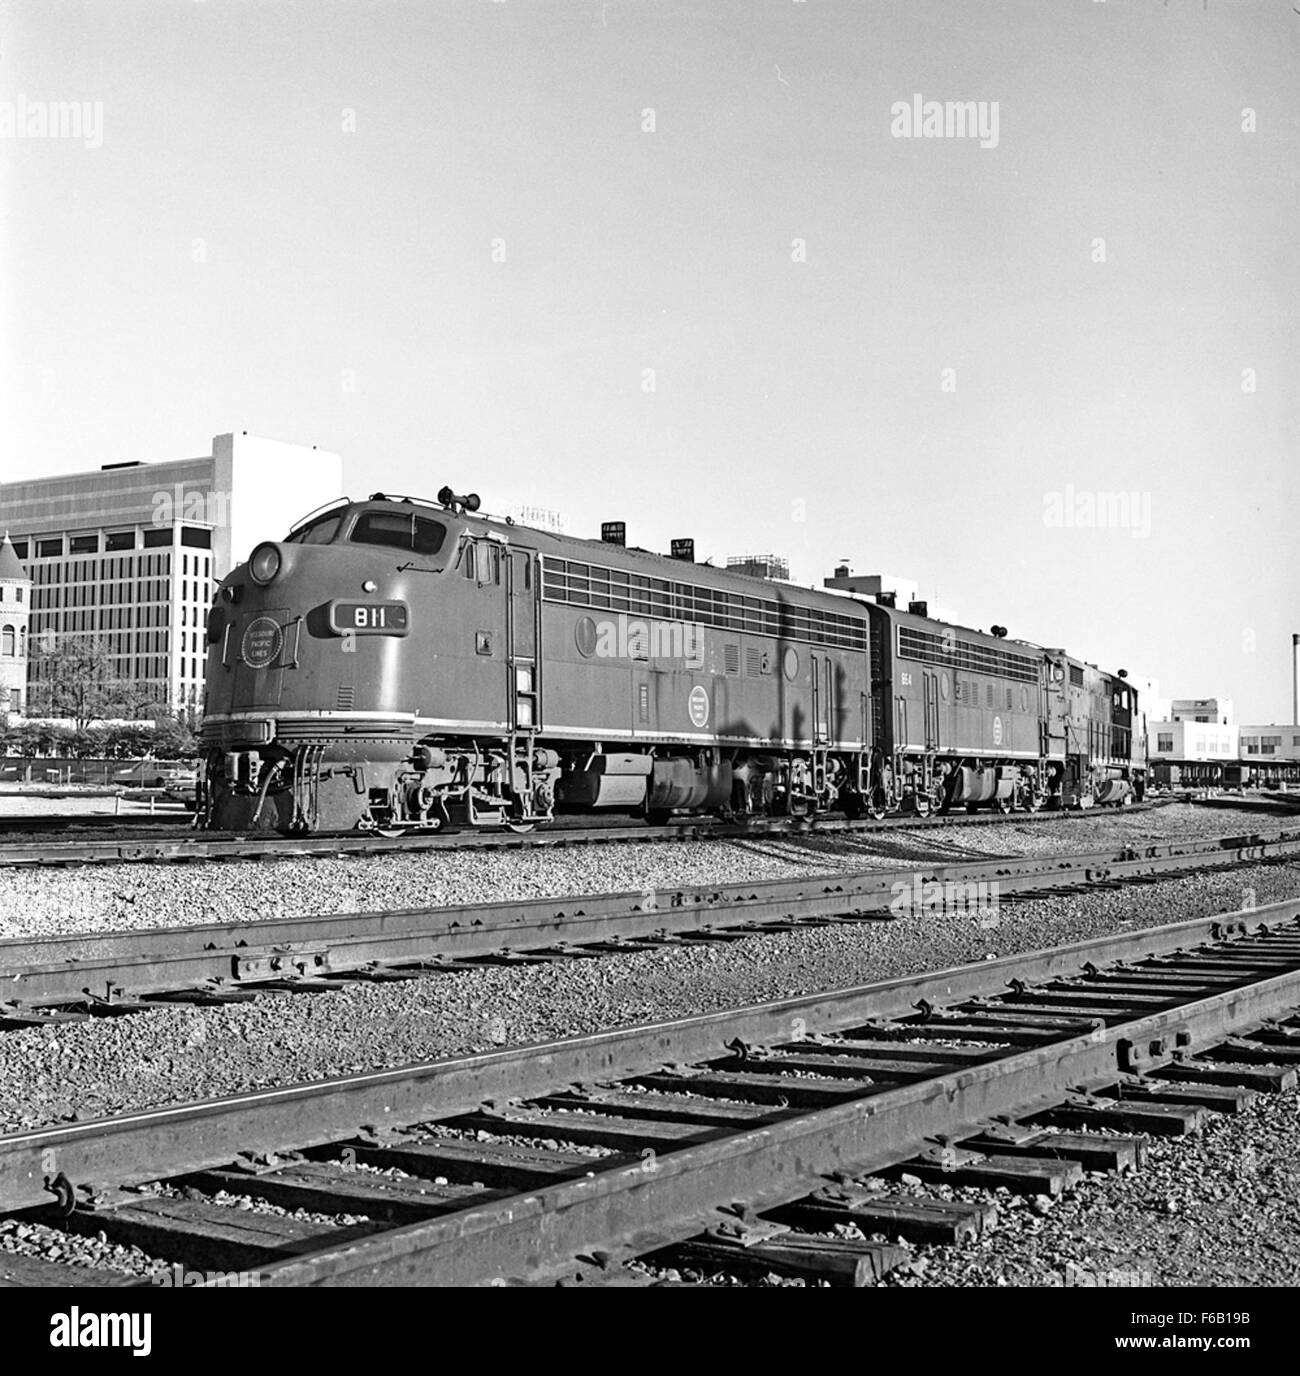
(76, 976)
(754, 1140)
(179, 846)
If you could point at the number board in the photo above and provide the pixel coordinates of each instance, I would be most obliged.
(370, 618)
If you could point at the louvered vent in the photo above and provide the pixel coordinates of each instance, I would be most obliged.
(346, 696)
(731, 658)
(753, 661)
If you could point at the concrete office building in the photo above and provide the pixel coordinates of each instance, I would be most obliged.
(131, 553)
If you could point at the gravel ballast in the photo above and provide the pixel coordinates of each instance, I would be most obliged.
(1220, 1208)
(39, 902)
(174, 1054)
(1225, 1223)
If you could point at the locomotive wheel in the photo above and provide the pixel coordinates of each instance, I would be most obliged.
(521, 828)
(389, 833)
(1004, 806)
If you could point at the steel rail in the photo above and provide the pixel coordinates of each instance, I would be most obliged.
(168, 1141)
(197, 846)
(628, 1210)
(46, 972)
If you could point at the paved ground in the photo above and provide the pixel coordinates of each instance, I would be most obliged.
(57, 803)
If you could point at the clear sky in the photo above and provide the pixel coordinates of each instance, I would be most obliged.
(448, 240)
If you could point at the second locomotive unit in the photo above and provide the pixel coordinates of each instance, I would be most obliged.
(960, 717)
(397, 665)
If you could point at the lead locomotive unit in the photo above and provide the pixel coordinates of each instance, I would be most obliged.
(397, 665)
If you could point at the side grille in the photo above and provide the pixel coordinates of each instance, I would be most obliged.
(315, 730)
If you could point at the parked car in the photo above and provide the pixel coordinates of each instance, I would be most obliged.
(164, 774)
(181, 785)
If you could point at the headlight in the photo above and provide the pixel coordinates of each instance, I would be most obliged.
(264, 564)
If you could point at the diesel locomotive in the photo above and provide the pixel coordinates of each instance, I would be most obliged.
(398, 665)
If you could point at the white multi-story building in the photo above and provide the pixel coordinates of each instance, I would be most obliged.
(15, 611)
(1209, 710)
(132, 553)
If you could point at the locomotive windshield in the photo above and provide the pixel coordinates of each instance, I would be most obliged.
(399, 530)
(319, 532)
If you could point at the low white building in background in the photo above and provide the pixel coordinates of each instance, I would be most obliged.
(1175, 741)
(1259, 744)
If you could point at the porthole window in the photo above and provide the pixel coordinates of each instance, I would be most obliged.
(945, 686)
(790, 663)
(584, 633)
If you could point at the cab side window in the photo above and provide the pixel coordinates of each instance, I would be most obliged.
(482, 562)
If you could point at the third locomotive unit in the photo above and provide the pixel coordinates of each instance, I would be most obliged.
(397, 665)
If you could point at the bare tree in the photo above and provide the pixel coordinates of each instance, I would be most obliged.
(75, 679)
